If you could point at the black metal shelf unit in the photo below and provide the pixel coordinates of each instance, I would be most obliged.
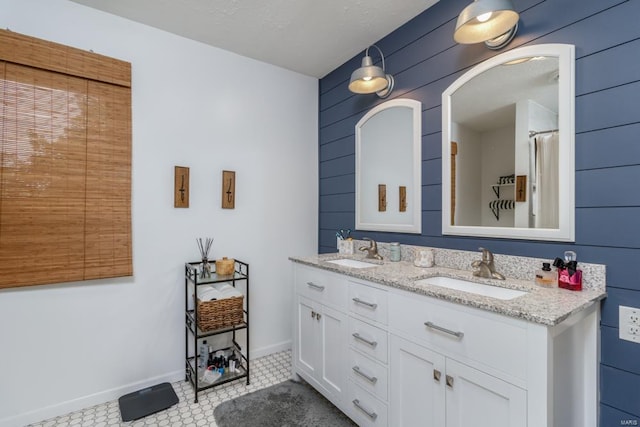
(193, 332)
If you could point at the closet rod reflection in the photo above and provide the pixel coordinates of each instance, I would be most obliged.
(535, 132)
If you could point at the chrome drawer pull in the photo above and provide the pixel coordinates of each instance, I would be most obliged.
(371, 305)
(357, 370)
(436, 375)
(432, 325)
(314, 286)
(371, 415)
(364, 340)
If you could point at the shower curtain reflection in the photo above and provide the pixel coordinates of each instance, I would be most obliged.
(546, 187)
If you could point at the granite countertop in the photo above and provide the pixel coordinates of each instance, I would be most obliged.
(546, 306)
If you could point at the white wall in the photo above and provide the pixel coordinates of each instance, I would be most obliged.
(497, 159)
(64, 347)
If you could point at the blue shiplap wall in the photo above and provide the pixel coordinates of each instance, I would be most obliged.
(424, 60)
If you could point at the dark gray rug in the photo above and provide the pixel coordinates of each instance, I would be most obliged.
(288, 404)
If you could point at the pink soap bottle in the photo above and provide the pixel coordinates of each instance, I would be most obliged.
(569, 277)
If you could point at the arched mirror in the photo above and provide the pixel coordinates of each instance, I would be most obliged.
(508, 147)
(388, 168)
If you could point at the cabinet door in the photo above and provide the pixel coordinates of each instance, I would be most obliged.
(416, 393)
(481, 400)
(308, 339)
(333, 350)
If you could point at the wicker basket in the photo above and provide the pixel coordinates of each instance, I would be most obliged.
(220, 313)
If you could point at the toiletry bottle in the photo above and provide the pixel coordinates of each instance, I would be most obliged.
(395, 251)
(210, 360)
(203, 354)
(569, 277)
(545, 277)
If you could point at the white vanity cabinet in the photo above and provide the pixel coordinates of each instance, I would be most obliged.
(391, 357)
(454, 366)
(320, 347)
(441, 355)
(429, 389)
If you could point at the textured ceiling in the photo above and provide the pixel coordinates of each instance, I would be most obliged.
(312, 37)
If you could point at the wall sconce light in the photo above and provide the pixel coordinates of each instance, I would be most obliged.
(370, 78)
(493, 22)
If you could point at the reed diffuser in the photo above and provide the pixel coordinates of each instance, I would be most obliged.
(204, 248)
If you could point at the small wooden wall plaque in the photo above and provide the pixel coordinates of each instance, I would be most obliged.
(521, 188)
(403, 199)
(181, 187)
(382, 198)
(228, 189)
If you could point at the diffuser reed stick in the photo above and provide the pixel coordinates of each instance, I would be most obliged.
(204, 248)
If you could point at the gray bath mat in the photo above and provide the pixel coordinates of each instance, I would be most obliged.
(288, 404)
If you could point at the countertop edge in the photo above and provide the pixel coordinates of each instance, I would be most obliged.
(548, 307)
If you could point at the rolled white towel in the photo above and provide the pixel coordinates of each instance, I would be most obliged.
(218, 291)
(209, 294)
(222, 287)
(231, 292)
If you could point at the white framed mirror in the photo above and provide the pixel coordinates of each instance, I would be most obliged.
(388, 168)
(508, 141)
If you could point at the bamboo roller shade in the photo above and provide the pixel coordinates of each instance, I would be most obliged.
(65, 176)
(46, 55)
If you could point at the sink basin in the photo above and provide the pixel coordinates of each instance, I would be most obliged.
(472, 287)
(353, 263)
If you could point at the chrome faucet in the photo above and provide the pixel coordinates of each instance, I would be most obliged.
(372, 250)
(485, 267)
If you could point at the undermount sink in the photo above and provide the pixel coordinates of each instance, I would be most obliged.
(472, 287)
(353, 263)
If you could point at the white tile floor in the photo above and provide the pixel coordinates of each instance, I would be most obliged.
(265, 372)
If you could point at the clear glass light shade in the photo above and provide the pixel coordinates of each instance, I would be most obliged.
(368, 78)
(473, 26)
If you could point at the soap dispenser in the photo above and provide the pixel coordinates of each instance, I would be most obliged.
(545, 277)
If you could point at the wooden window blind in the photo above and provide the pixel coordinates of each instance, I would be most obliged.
(65, 164)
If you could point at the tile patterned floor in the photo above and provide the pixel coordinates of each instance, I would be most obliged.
(265, 372)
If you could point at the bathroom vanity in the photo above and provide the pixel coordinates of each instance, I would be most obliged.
(390, 349)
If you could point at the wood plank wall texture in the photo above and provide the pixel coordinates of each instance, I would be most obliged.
(425, 60)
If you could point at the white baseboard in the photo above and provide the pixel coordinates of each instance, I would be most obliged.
(87, 401)
(257, 353)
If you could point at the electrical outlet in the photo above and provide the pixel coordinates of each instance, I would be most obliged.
(629, 323)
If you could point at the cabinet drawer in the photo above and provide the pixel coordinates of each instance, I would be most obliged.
(368, 375)
(368, 302)
(365, 409)
(368, 339)
(493, 341)
(321, 286)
